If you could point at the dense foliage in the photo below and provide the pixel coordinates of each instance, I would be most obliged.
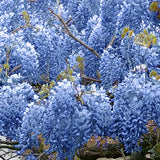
(51, 53)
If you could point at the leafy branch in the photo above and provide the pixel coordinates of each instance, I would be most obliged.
(45, 88)
(27, 19)
(85, 79)
(66, 74)
(6, 65)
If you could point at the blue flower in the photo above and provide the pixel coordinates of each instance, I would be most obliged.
(14, 100)
(135, 103)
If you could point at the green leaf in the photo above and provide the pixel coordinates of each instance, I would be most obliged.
(70, 72)
(27, 152)
(153, 6)
(79, 59)
(1, 70)
(26, 17)
(6, 66)
(154, 40)
(71, 78)
(125, 30)
(153, 73)
(58, 77)
(52, 84)
(157, 148)
(130, 33)
(145, 32)
(67, 67)
(157, 77)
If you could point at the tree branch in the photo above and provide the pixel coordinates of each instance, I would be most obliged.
(14, 69)
(9, 143)
(111, 42)
(89, 78)
(10, 147)
(25, 26)
(71, 35)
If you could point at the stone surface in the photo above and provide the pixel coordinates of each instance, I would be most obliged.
(8, 154)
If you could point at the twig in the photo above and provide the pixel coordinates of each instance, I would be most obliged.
(17, 29)
(111, 42)
(40, 155)
(14, 69)
(71, 35)
(25, 26)
(59, 10)
(7, 55)
(10, 147)
(48, 71)
(89, 78)
(9, 143)
(32, 1)
(123, 155)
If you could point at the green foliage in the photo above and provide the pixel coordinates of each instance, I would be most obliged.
(26, 17)
(66, 74)
(154, 8)
(145, 39)
(85, 80)
(137, 156)
(150, 142)
(6, 66)
(124, 32)
(32, 1)
(80, 61)
(154, 73)
(45, 90)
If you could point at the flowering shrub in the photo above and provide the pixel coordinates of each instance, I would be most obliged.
(135, 103)
(64, 122)
(15, 98)
(51, 53)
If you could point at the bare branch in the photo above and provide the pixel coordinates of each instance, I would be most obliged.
(32, 1)
(25, 26)
(10, 147)
(89, 78)
(40, 155)
(9, 143)
(17, 29)
(14, 69)
(71, 35)
(111, 42)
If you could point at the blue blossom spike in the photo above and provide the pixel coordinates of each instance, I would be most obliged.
(14, 99)
(135, 103)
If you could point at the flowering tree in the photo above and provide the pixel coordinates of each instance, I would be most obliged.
(59, 59)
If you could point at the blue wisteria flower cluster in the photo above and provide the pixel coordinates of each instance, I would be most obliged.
(108, 46)
(135, 103)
